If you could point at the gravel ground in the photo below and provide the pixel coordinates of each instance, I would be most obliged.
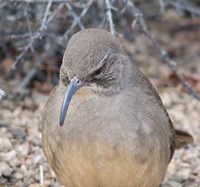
(22, 162)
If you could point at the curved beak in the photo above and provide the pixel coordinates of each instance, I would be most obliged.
(73, 86)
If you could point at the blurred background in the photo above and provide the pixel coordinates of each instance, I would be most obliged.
(33, 37)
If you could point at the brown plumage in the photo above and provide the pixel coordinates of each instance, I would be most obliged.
(115, 132)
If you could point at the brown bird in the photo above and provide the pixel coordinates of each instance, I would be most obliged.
(104, 125)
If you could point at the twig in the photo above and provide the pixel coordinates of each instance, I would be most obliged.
(3, 4)
(182, 6)
(43, 26)
(55, 13)
(79, 4)
(162, 6)
(2, 94)
(172, 64)
(75, 16)
(40, 1)
(29, 76)
(28, 22)
(34, 38)
(109, 17)
(20, 36)
(76, 21)
(29, 25)
(41, 176)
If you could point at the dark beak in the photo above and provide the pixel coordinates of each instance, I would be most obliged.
(73, 86)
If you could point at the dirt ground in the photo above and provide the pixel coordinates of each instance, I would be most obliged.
(22, 162)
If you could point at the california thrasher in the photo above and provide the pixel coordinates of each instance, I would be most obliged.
(117, 132)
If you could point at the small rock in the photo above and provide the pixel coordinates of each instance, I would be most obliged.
(5, 144)
(182, 174)
(23, 149)
(37, 159)
(177, 154)
(3, 181)
(172, 184)
(18, 176)
(185, 165)
(14, 163)
(29, 104)
(8, 156)
(189, 157)
(5, 169)
(29, 162)
(23, 168)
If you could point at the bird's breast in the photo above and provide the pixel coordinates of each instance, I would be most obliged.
(101, 144)
(100, 164)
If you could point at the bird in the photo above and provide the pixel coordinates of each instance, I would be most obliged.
(104, 124)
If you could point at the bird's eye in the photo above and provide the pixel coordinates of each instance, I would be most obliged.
(98, 73)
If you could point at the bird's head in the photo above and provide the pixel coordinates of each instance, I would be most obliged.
(92, 58)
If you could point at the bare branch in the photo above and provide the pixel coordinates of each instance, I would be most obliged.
(34, 38)
(183, 6)
(55, 13)
(172, 64)
(162, 6)
(77, 21)
(28, 78)
(41, 1)
(75, 16)
(43, 26)
(78, 11)
(109, 17)
(28, 21)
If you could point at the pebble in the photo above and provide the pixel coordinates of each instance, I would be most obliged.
(190, 157)
(5, 169)
(23, 168)
(185, 165)
(5, 144)
(183, 174)
(18, 175)
(177, 154)
(15, 163)
(8, 156)
(37, 159)
(29, 162)
(23, 149)
(171, 184)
